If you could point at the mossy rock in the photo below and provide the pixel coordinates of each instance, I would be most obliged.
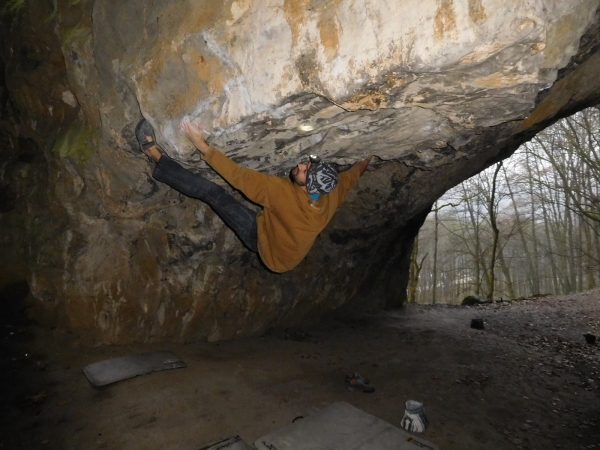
(75, 143)
(13, 7)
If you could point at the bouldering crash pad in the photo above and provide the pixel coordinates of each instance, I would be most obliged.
(230, 443)
(341, 426)
(117, 369)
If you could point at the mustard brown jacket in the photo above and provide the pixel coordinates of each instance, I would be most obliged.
(290, 220)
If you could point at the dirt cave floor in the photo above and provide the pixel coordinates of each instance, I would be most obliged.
(528, 380)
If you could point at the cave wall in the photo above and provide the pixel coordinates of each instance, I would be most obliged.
(436, 90)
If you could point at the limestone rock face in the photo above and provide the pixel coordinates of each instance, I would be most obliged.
(436, 90)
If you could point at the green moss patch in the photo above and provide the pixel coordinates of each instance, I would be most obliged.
(13, 7)
(70, 33)
(75, 143)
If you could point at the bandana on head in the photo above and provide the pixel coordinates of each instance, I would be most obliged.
(321, 177)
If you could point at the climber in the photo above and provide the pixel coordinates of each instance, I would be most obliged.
(293, 213)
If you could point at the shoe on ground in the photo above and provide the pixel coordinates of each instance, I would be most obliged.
(355, 382)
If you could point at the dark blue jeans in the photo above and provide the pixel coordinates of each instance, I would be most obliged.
(239, 218)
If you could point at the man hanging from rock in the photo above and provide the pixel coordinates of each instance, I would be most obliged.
(293, 213)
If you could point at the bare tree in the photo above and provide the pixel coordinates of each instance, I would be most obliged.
(415, 271)
(493, 214)
(539, 223)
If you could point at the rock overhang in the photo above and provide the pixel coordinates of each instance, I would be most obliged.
(273, 80)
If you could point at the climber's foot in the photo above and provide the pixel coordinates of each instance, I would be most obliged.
(145, 136)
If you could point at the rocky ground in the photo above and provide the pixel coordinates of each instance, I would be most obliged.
(528, 380)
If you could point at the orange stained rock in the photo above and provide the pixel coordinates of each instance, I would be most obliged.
(476, 11)
(205, 15)
(209, 70)
(501, 80)
(295, 12)
(372, 100)
(444, 20)
(329, 32)
(581, 83)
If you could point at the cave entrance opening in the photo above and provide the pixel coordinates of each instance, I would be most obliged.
(525, 226)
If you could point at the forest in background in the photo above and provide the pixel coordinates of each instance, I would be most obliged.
(528, 225)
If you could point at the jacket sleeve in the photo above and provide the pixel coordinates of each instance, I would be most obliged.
(258, 187)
